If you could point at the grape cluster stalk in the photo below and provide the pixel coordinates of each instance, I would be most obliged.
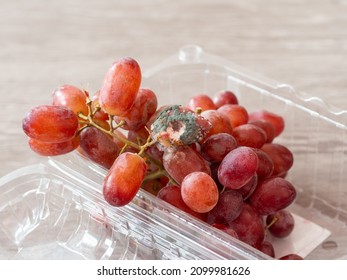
(210, 158)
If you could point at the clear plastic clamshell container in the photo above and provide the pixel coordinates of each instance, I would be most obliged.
(55, 210)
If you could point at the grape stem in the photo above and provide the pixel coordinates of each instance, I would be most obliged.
(274, 220)
(89, 121)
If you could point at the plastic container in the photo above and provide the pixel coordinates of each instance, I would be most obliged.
(55, 210)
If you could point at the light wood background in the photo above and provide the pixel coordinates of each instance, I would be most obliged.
(46, 43)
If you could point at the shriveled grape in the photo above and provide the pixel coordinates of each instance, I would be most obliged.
(181, 160)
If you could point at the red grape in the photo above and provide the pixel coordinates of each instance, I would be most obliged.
(120, 87)
(267, 127)
(144, 107)
(98, 146)
(280, 224)
(249, 226)
(48, 123)
(153, 186)
(250, 135)
(228, 208)
(199, 191)
(276, 120)
(272, 195)
(237, 114)
(201, 101)
(224, 97)
(71, 97)
(217, 146)
(281, 157)
(124, 179)
(219, 122)
(238, 167)
(100, 117)
(247, 189)
(265, 165)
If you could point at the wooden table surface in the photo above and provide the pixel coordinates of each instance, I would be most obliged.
(45, 44)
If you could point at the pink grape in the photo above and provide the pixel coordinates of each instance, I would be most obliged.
(199, 191)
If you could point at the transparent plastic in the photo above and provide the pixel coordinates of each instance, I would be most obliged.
(55, 210)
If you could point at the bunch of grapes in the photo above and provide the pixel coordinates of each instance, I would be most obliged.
(210, 157)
